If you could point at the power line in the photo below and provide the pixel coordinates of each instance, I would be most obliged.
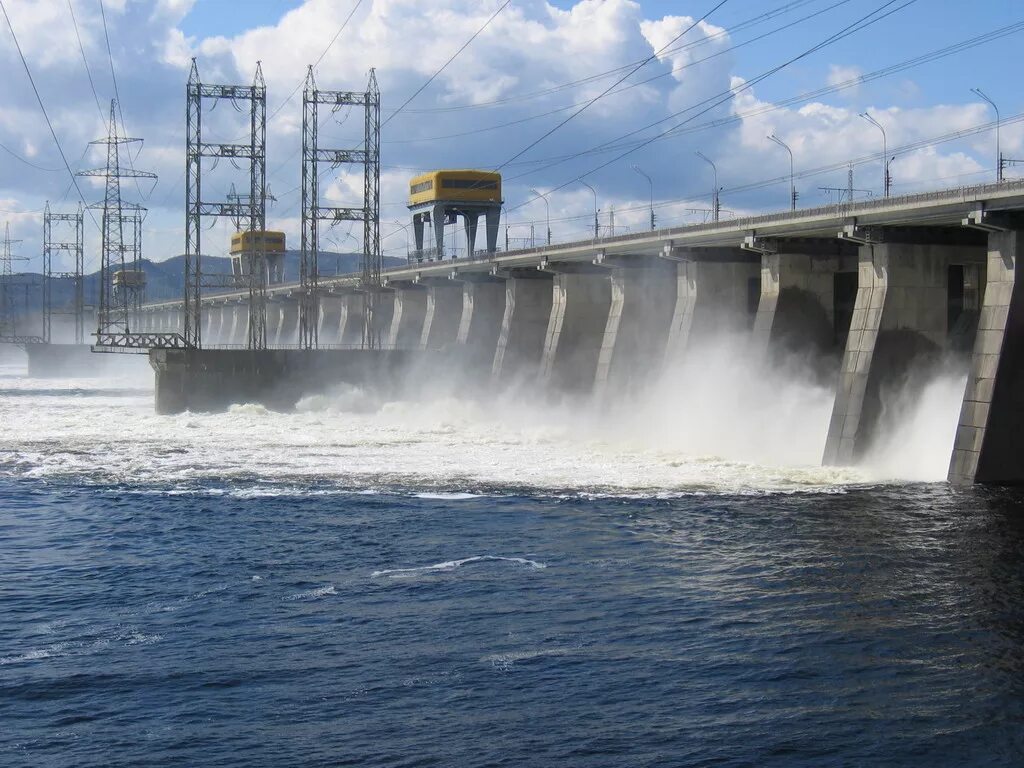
(445, 65)
(766, 16)
(29, 163)
(117, 98)
(850, 29)
(42, 108)
(605, 92)
(85, 61)
(931, 56)
(669, 73)
(320, 58)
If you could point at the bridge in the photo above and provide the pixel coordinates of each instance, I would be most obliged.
(871, 291)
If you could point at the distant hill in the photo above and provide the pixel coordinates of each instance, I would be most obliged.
(164, 279)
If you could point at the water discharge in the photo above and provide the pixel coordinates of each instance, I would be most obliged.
(725, 420)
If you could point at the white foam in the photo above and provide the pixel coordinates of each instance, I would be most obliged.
(451, 565)
(313, 594)
(710, 427)
(449, 496)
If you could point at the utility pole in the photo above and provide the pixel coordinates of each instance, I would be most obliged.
(716, 205)
(312, 212)
(121, 276)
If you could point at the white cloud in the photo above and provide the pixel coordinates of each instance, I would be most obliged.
(839, 74)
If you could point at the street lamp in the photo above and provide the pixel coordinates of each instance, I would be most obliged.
(651, 185)
(886, 181)
(596, 224)
(337, 256)
(715, 205)
(408, 254)
(999, 154)
(547, 211)
(792, 184)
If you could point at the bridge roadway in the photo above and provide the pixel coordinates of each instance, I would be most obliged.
(872, 292)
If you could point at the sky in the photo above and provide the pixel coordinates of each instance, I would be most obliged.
(696, 76)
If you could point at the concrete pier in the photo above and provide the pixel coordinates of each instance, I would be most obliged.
(442, 315)
(523, 325)
(350, 319)
(899, 325)
(483, 307)
(580, 302)
(285, 331)
(989, 445)
(214, 379)
(239, 333)
(636, 331)
(329, 320)
(410, 310)
(797, 308)
(715, 292)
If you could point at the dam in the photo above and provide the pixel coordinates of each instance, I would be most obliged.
(876, 292)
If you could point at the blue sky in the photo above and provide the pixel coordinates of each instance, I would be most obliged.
(531, 46)
(925, 25)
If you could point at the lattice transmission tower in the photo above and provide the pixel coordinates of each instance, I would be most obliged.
(252, 207)
(122, 280)
(313, 212)
(68, 240)
(8, 313)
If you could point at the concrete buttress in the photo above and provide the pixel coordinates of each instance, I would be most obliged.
(442, 315)
(637, 327)
(483, 306)
(521, 338)
(407, 320)
(572, 344)
(899, 325)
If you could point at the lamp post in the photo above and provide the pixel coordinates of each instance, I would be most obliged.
(792, 184)
(547, 211)
(999, 154)
(715, 205)
(408, 255)
(650, 184)
(596, 223)
(886, 181)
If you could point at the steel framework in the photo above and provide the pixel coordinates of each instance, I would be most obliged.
(313, 212)
(71, 243)
(120, 267)
(8, 317)
(253, 208)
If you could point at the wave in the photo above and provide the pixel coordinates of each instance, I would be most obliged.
(313, 594)
(451, 565)
(449, 496)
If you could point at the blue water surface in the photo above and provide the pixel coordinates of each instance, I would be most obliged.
(880, 626)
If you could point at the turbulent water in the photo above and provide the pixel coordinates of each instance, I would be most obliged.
(502, 580)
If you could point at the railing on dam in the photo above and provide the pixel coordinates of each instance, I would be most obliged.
(847, 210)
